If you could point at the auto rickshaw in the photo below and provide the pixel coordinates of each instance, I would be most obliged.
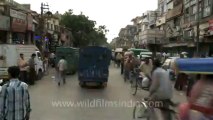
(94, 64)
(71, 55)
(137, 51)
(203, 91)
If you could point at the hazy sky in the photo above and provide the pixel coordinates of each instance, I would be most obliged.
(115, 14)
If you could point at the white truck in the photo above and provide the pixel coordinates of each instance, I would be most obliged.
(10, 54)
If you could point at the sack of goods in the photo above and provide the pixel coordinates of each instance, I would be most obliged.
(145, 82)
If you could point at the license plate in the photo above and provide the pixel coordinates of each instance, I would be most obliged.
(92, 83)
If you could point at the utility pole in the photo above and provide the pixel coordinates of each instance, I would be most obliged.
(198, 28)
(155, 45)
(43, 7)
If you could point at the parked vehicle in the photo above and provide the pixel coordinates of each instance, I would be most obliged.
(71, 56)
(10, 54)
(202, 67)
(169, 66)
(94, 64)
(137, 51)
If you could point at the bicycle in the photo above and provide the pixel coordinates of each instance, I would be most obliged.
(136, 81)
(146, 112)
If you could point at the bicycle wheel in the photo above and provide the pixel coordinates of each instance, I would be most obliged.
(141, 111)
(134, 87)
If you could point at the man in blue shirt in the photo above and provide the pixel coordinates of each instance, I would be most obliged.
(14, 98)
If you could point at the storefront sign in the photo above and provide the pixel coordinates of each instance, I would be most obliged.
(29, 22)
(18, 25)
(17, 14)
(4, 23)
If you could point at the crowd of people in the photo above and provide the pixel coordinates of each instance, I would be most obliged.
(199, 91)
(27, 69)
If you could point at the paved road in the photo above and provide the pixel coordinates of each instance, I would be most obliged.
(46, 91)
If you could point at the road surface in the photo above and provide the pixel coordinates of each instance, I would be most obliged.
(71, 102)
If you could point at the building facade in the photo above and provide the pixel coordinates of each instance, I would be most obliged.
(202, 19)
(149, 36)
(174, 35)
(17, 24)
(127, 36)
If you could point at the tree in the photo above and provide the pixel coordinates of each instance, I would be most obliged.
(84, 31)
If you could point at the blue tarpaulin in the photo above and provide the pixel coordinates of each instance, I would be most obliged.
(195, 65)
(94, 63)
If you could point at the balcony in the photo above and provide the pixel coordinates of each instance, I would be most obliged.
(153, 36)
(174, 12)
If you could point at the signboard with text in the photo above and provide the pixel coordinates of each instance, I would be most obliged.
(17, 14)
(18, 25)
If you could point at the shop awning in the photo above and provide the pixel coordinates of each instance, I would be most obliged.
(175, 45)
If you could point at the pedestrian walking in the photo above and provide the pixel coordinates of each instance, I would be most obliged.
(62, 67)
(14, 98)
(122, 63)
(46, 64)
(32, 72)
(118, 59)
(181, 79)
(52, 59)
(22, 63)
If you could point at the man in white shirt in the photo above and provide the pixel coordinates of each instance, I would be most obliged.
(62, 67)
(146, 67)
(22, 63)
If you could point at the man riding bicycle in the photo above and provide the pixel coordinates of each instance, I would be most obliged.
(161, 88)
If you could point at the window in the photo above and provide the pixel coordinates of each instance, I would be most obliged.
(187, 11)
(177, 22)
(186, 1)
(51, 26)
(194, 9)
(193, 2)
(56, 28)
(48, 25)
(206, 8)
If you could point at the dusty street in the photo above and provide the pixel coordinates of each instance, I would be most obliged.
(46, 97)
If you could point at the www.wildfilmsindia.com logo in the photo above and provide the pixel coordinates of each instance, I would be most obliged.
(102, 103)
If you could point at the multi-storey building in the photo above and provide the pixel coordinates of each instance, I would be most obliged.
(149, 36)
(16, 25)
(126, 36)
(137, 22)
(202, 18)
(173, 32)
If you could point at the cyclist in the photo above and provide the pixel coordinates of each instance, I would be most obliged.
(161, 88)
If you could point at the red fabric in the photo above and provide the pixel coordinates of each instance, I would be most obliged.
(184, 111)
(205, 110)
